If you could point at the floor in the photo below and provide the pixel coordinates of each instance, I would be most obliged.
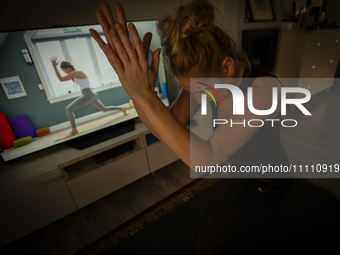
(316, 140)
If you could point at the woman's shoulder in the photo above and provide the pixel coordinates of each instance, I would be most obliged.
(78, 74)
(259, 80)
(266, 83)
(263, 90)
(263, 79)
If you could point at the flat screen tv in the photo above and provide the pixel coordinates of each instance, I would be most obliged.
(30, 86)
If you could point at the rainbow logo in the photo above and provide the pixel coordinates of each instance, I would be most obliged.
(212, 89)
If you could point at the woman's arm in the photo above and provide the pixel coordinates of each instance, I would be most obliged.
(55, 63)
(180, 109)
(184, 107)
(225, 141)
(138, 80)
(181, 106)
(68, 77)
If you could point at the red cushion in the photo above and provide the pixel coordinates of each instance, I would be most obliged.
(7, 136)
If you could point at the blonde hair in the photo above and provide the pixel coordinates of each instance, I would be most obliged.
(66, 64)
(191, 38)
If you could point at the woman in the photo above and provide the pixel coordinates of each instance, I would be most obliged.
(196, 46)
(88, 95)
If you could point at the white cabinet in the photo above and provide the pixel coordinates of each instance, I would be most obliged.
(50, 184)
(32, 203)
(158, 153)
(313, 54)
(89, 181)
(108, 178)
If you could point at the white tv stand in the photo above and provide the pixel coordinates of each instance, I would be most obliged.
(50, 184)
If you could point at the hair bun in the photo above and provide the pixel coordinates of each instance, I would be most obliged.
(192, 39)
(195, 18)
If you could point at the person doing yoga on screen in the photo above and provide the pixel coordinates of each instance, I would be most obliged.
(88, 95)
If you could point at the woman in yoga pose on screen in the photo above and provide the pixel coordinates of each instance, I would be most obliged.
(196, 46)
(88, 95)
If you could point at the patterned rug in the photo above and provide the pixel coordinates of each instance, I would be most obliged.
(145, 218)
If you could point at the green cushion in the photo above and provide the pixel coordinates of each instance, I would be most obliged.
(22, 141)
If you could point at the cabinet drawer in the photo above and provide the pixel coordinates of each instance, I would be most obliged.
(33, 203)
(107, 178)
(334, 39)
(159, 155)
(316, 46)
(315, 85)
(314, 68)
(319, 42)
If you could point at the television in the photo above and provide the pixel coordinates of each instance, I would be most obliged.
(30, 86)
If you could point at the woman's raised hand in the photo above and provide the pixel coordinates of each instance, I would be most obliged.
(54, 61)
(130, 63)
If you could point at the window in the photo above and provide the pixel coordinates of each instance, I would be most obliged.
(77, 46)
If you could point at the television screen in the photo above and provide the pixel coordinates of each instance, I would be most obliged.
(33, 97)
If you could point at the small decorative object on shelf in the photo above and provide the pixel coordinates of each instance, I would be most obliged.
(131, 103)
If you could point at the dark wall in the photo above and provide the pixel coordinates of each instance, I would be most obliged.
(332, 11)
